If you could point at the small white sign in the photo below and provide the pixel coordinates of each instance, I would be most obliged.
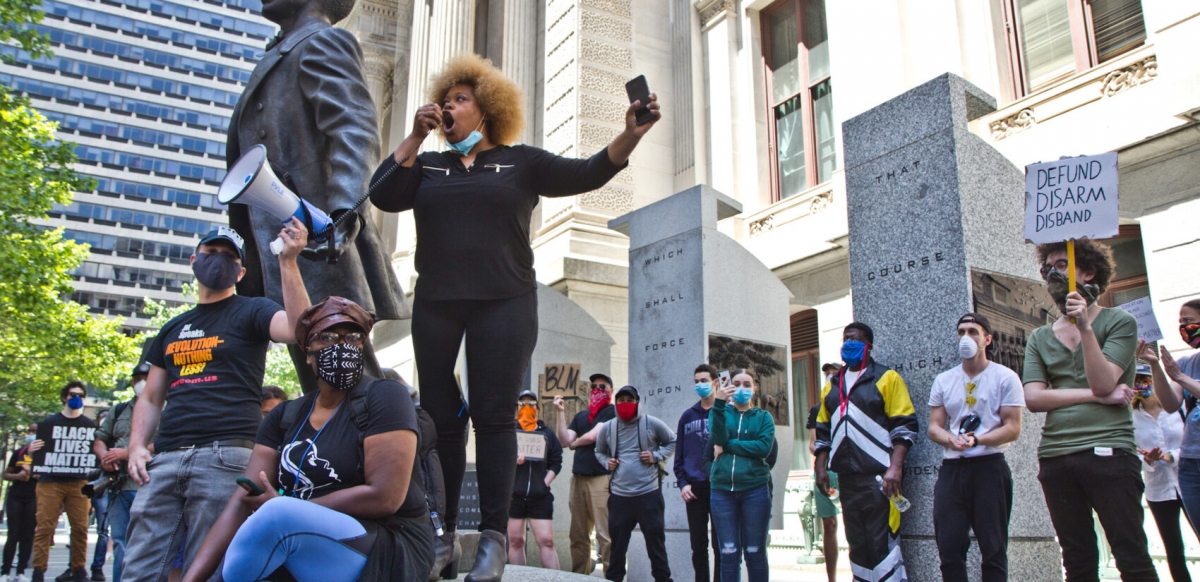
(531, 445)
(1143, 311)
(1071, 198)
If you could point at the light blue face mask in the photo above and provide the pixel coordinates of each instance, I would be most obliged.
(704, 389)
(464, 147)
(742, 395)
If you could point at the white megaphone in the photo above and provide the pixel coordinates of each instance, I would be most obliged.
(250, 181)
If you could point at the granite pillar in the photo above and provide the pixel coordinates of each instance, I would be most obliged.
(515, 51)
(695, 296)
(929, 204)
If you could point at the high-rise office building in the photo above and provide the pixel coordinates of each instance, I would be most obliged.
(145, 88)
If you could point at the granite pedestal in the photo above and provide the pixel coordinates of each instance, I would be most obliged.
(929, 204)
(691, 287)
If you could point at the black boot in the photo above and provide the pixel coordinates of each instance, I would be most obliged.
(445, 558)
(490, 557)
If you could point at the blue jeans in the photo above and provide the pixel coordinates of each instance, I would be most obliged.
(119, 503)
(1189, 491)
(301, 536)
(100, 506)
(188, 490)
(741, 519)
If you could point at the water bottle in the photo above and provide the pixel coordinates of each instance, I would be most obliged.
(898, 500)
(437, 523)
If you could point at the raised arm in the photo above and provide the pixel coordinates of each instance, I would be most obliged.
(565, 435)
(295, 296)
(622, 146)
(396, 180)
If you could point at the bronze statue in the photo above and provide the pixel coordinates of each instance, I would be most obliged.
(308, 104)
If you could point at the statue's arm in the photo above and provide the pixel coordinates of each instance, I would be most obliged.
(331, 80)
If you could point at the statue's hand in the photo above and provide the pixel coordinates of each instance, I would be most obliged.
(335, 244)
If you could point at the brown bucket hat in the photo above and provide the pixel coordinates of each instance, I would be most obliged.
(328, 313)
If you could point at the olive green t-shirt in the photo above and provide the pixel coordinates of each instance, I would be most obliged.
(1082, 427)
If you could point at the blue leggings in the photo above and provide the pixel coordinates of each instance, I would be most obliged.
(301, 536)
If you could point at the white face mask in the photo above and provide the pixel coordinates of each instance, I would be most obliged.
(137, 388)
(967, 348)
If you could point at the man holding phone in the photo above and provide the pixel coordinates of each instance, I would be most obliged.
(983, 402)
(210, 362)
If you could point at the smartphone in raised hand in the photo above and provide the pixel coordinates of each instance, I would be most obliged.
(726, 380)
(638, 90)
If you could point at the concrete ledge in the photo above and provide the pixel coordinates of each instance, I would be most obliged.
(528, 574)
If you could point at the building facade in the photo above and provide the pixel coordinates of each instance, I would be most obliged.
(145, 88)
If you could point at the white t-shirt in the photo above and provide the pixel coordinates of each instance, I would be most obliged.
(1166, 433)
(995, 386)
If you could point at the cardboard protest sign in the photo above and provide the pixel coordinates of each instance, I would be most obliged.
(68, 449)
(1071, 198)
(1143, 311)
(531, 445)
(562, 380)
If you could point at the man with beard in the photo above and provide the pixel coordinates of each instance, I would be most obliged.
(589, 479)
(308, 104)
(1078, 370)
(210, 362)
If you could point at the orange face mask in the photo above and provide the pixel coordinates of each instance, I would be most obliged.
(527, 416)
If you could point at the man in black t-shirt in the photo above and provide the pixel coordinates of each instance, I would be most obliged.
(20, 507)
(209, 363)
(589, 479)
(59, 492)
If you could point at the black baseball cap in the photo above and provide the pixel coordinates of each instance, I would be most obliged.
(978, 319)
(141, 369)
(629, 389)
(593, 378)
(227, 234)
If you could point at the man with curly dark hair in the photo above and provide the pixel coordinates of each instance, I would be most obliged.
(472, 205)
(308, 104)
(1078, 370)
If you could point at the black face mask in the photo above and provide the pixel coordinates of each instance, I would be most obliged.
(340, 365)
(1058, 286)
(217, 271)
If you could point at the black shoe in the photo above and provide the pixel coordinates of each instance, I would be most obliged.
(80, 575)
(446, 556)
(38, 575)
(98, 575)
(66, 576)
(490, 557)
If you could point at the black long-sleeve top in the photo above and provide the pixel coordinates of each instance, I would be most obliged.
(473, 224)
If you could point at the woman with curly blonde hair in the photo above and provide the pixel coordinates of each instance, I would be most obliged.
(472, 206)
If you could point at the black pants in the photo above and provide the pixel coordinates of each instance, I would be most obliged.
(1079, 483)
(866, 516)
(1166, 517)
(699, 518)
(973, 494)
(21, 523)
(500, 336)
(625, 513)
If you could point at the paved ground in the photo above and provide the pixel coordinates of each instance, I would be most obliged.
(60, 554)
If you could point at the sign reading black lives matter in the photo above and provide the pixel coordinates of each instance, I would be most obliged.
(1071, 198)
(67, 452)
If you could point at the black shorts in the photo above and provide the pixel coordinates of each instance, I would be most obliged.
(532, 507)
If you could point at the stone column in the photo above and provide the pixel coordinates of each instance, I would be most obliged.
(718, 23)
(931, 205)
(692, 292)
(515, 50)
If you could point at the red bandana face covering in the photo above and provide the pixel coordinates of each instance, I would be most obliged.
(600, 399)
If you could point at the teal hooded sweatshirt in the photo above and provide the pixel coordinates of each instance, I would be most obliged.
(746, 439)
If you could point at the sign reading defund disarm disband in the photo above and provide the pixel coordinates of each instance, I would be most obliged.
(67, 452)
(1071, 198)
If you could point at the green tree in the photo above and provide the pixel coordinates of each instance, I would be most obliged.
(45, 339)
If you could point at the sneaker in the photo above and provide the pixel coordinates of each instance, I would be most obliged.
(5, 578)
(20, 578)
(38, 575)
(66, 576)
(98, 575)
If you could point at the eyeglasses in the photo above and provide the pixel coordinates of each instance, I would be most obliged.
(971, 394)
(330, 337)
(74, 394)
(527, 403)
(1060, 265)
(600, 386)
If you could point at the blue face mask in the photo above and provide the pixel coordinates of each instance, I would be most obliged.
(464, 147)
(742, 395)
(704, 389)
(852, 352)
(75, 403)
(29, 438)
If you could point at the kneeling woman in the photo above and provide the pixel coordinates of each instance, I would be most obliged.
(340, 502)
(741, 437)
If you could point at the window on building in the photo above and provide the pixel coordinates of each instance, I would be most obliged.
(1050, 39)
(806, 382)
(799, 94)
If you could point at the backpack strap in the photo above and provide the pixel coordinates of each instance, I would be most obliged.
(291, 411)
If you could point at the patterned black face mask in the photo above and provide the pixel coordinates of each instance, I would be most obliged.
(340, 365)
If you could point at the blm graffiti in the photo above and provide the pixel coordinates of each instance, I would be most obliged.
(767, 360)
(68, 448)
